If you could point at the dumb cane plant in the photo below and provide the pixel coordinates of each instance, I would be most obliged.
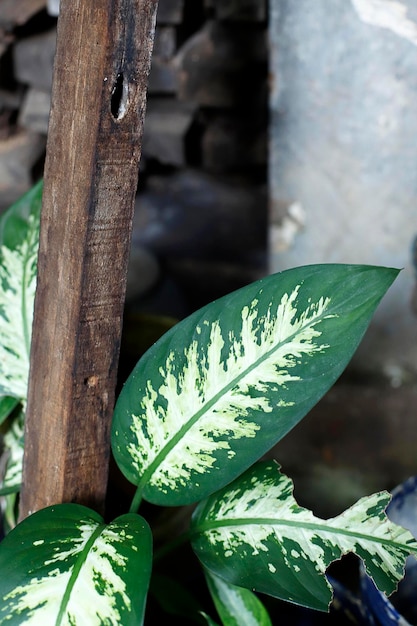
(199, 410)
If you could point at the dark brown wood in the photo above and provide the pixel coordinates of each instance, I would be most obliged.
(98, 103)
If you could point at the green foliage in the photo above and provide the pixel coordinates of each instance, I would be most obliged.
(253, 534)
(225, 384)
(68, 567)
(199, 410)
(236, 605)
(19, 228)
(19, 237)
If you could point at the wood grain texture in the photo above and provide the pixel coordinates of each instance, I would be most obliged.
(98, 103)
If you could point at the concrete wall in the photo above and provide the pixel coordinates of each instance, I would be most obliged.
(343, 153)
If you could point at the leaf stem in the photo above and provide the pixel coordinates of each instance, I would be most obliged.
(136, 502)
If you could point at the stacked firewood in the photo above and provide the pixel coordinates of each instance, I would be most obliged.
(201, 205)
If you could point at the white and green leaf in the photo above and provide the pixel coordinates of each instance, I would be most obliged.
(12, 456)
(64, 566)
(19, 237)
(254, 534)
(224, 385)
(236, 606)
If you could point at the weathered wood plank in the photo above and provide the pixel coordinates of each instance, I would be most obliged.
(98, 102)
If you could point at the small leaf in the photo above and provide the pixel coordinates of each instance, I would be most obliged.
(254, 534)
(7, 406)
(236, 605)
(225, 384)
(19, 238)
(63, 565)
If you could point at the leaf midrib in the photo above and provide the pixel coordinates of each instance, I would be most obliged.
(81, 559)
(163, 453)
(207, 526)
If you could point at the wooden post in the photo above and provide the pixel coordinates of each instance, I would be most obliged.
(98, 103)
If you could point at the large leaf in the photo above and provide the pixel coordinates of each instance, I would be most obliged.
(254, 534)
(64, 566)
(225, 384)
(236, 605)
(19, 237)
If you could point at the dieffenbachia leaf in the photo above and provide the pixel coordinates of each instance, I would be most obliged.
(224, 385)
(64, 566)
(254, 534)
(12, 457)
(19, 237)
(236, 605)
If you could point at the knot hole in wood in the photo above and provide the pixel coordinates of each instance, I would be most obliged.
(91, 381)
(119, 97)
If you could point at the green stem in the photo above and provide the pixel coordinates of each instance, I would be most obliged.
(136, 502)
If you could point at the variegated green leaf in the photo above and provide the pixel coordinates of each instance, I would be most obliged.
(19, 236)
(12, 457)
(236, 606)
(254, 534)
(64, 566)
(224, 385)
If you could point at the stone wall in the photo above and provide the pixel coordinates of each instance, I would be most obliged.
(343, 175)
(343, 189)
